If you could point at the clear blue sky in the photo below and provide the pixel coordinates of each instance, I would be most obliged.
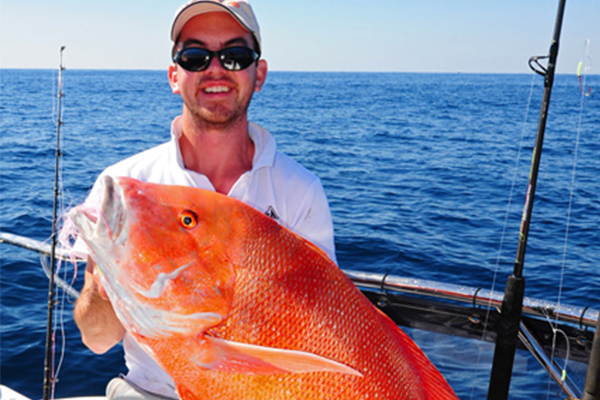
(311, 35)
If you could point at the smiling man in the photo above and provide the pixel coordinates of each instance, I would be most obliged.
(216, 70)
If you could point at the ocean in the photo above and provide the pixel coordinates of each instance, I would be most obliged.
(426, 176)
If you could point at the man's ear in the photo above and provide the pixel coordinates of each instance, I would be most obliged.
(174, 78)
(261, 75)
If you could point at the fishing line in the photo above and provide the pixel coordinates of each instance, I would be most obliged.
(59, 323)
(585, 91)
(568, 225)
(583, 95)
(583, 67)
(506, 216)
(57, 367)
(555, 331)
(585, 64)
(63, 283)
(63, 340)
(50, 372)
(52, 368)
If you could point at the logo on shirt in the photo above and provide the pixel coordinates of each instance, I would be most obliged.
(272, 213)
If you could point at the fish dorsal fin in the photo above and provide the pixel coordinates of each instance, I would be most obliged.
(227, 356)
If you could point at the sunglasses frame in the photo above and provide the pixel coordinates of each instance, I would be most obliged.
(220, 55)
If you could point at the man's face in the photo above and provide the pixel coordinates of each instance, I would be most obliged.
(216, 96)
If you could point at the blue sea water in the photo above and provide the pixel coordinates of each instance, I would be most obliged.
(418, 169)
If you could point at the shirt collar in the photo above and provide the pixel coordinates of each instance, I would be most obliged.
(265, 146)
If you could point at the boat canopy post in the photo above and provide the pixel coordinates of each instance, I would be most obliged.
(591, 390)
(506, 340)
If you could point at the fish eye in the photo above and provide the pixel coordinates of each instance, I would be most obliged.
(188, 219)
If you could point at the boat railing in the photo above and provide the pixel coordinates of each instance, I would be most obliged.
(458, 310)
(582, 316)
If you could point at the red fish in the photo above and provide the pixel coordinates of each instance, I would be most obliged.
(234, 306)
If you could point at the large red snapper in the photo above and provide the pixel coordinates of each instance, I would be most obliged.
(234, 306)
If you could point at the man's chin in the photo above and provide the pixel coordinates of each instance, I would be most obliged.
(220, 117)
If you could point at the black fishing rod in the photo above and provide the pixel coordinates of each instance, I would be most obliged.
(506, 340)
(591, 390)
(48, 360)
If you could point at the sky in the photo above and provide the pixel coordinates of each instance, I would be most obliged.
(466, 36)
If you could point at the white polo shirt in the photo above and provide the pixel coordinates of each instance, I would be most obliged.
(277, 186)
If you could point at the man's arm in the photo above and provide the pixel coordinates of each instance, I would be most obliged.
(95, 316)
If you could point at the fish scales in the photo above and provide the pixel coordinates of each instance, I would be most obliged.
(268, 288)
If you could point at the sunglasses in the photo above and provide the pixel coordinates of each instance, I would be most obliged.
(196, 59)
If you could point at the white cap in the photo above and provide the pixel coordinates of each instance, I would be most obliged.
(239, 9)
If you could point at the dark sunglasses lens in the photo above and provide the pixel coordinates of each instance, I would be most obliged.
(237, 58)
(193, 59)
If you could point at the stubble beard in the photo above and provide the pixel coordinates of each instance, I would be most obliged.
(217, 114)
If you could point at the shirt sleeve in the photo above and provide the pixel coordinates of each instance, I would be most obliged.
(314, 221)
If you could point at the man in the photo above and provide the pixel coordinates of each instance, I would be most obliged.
(216, 70)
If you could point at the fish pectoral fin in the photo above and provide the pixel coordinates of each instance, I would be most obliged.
(223, 355)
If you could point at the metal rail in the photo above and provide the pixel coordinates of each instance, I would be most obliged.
(387, 285)
(35, 245)
(582, 316)
(44, 249)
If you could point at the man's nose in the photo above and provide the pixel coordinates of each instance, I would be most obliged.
(215, 65)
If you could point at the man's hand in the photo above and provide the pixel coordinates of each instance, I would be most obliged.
(94, 314)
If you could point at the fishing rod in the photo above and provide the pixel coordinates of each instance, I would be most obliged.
(591, 390)
(48, 378)
(508, 329)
